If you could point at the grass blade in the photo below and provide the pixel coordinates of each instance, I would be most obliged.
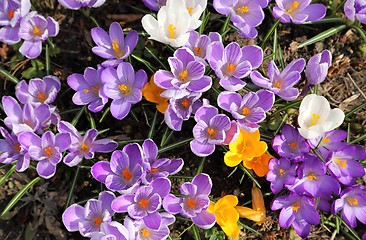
(8, 174)
(8, 76)
(196, 233)
(175, 145)
(322, 35)
(71, 191)
(270, 32)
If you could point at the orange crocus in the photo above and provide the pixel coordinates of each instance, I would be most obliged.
(151, 93)
(259, 164)
(258, 211)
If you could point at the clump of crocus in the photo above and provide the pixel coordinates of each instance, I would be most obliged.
(194, 202)
(89, 89)
(232, 63)
(76, 4)
(113, 46)
(316, 117)
(151, 92)
(124, 87)
(298, 12)
(281, 83)
(35, 29)
(355, 9)
(246, 147)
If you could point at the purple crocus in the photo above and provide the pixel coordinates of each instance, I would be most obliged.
(35, 29)
(281, 83)
(248, 110)
(281, 172)
(113, 46)
(195, 202)
(89, 89)
(186, 75)
(355, 9)
(144, 203)
(110, 230)
(11, 150)
(298, 11)
(38, 91)
(298, 211)
(180, 109)
(11, 14)
(233, 63)
(313, 180)
(154, 167)
(47, 150)
(290, 143)
(124, 87)
(209, 130)
(353, 205)
(87, 220)
(329, 142)
(154, 4)
(86, 146)
(124, 169)
(76, 4)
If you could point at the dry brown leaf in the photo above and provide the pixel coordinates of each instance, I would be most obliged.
(3, 51)
(347, 101)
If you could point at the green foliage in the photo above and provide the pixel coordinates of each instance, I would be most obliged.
(214, 234)
(35, 70)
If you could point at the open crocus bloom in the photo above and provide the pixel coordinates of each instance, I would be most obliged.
(316, 117)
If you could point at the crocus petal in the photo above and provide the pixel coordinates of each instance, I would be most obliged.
(72, 216)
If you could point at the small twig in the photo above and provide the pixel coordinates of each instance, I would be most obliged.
(362, 93)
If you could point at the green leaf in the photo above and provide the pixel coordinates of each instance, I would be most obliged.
(19, 195)
(196, 233)
(322, 35)
(8, 174)
(175, 145)
(8, 75)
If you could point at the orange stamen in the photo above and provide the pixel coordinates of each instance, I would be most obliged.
(352, 201)
(191, 203)
(282, 172)
(293, 7)
(116, 49)
(11, 14)
(326, 139)
(311, 177)
(127, 174)
(198, 50)
(17, 147)
(293, 145)
(296, 206)
(341, 162)
(145, 233)
(183, 75)
(185, 103)
(84, 147)
(153, 170)
(97, 221)
(48, 151)
(144, 203)
(124, 88)
(246, 111)
(41, 96)
(230, 68)
(190, 10)
(37, 31)
(211, 131)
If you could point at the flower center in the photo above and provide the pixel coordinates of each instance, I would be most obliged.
(124, 88)
(17, 147)
(198, 50)
(97, 221)
(243, 9)
(296, 206)
(293, 7)
(293, 144)
(282, 172)
(311, 177)
(48, 151)
(211, 132)
(326, 139)
(185, 103)
(116, 49)
(190, 10)
(127, 174)
(11, 14)
(341, 162)
(144, 203)
(246, 111)
(171, 30)
(230, 68)
(145, 233)
(352, 201)
(183, 76)
(314, 119)
(84, 147)
(93, 89)
(37, 31)
(153, 170)
(191, 203)
(41, 96)
(278, 84)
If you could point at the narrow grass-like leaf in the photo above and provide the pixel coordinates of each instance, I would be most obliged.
(146, 63)
(275, 42)
(327, 20)
(349, 228)
(152, 127)
(185, 230)
(19, 195)
(202, 164)
(250, 175)
(104, 115)
(283, 120)
(175, 145)
(156, 58)
(249, 228)
(205, 18)
(348, 132)
(180, 177)
(361, 32)
(8, 76)
(134, 116)
(72, 188)
(7, 174)
(122, 143)
(270, 32)
(90, 119)
(322, 35)
(166, 136)
(359, 139)
(196, 233)
(232, 172)
(77, 116)
(48, 64)
(294, 104)
(225, 26)
(359, 107)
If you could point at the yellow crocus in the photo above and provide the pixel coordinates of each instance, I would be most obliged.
(258, 211)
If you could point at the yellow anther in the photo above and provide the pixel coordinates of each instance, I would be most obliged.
(293, 7)
(282, 172)
(230, 68)
(48, 151)
(41, 96)
(37, 31)
(246, 111)
(352, 201)
(145, 233)
(341, 162)
(296, 206)
(211, 131)
(171, 30)
(84, 147)
(314, 119)
(243, 9)
(116, 49)
(311, 177)
(190, 10)
(124, 88)
(183, 76)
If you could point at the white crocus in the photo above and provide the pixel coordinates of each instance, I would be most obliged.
(316, 117)
(195, 8)
(172, 24)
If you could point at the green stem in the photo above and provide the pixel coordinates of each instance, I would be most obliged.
(152, 128)
(359, 107)
(175, 145)
(202, 164)
(246, 171)
(71, 192)
(8, 75)
(270, 32)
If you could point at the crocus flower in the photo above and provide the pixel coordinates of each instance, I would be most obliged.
(86, 146)
(313, 180)
(248, 110)
(209, 130)
(355, 9)
(298, 211)
(89, 89)
(47, 150)
(317, 69)
(35, 29)
(110, 230)
(144, 203)
(195, 9)
(38, 91)
(11, 14)
(246, 147)
(186, 75)
(76, 4)
(233, 63)
(172, 24)
(353, 205)
(11, 150)
(154, 167)
(316, 117)
(195, 202)
(281, 173)
(290, 143)
(258, 211)
(154, 4)
(329, 142)
(226, 214)
(113, 46)
(259, 164)
(151, 93)
(124, 169)
(88, 220)
(281, 83)
(180, 110)
(298, 11)
(124, 87)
